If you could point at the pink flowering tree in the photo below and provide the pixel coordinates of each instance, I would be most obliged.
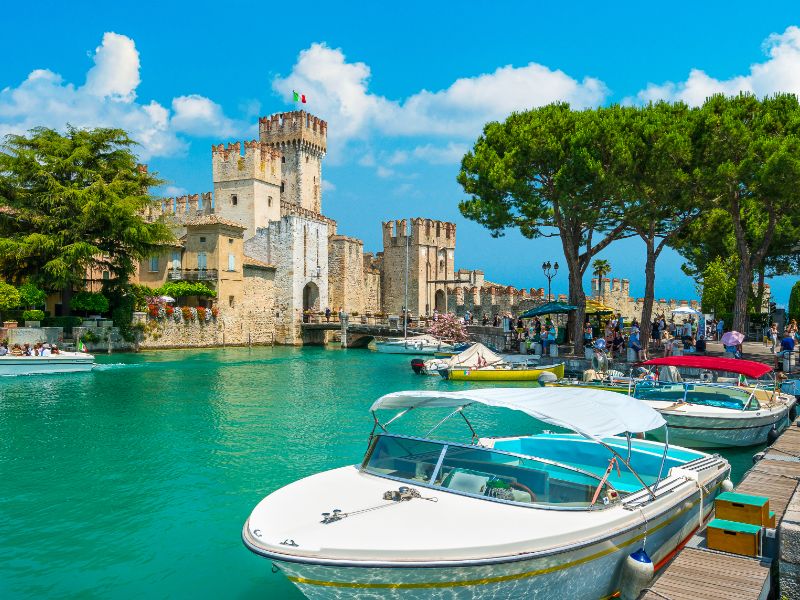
(449, 327)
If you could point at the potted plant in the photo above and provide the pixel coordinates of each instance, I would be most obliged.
(32, 318)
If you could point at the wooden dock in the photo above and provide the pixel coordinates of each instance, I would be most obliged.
(698, 573)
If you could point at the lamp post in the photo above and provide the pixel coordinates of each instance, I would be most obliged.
(549, 272)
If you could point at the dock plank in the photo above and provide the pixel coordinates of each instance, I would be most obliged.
(700, 574)
(776, 479)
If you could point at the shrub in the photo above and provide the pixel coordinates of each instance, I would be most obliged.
(89, 337)
(794, 302)
(152, 310)
(181, 289)
(31, 296)
(91, 302)
(33, 315)
(187, 314)
(9, 296)
(201, 314)
(214, 312)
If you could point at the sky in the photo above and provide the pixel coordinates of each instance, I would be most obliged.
(405, 89)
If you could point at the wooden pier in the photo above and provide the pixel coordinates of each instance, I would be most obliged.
(698, 573)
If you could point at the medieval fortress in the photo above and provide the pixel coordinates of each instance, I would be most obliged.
(262, 242)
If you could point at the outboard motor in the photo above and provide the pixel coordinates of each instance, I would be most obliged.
(417, 364)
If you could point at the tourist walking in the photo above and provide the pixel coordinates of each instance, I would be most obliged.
(634, 342)
(587, 333)
(720, 328)
(773, 336)
(327, 314)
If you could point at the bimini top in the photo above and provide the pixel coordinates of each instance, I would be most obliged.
(592, 413)
(750, 368)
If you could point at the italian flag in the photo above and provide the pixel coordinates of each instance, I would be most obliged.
(299, 97)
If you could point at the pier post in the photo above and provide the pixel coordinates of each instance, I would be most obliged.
(345, 318)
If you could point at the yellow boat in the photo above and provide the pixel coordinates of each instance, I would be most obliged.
(501, 373)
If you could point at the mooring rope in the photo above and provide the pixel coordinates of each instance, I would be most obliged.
(404, 494)
(652, 591)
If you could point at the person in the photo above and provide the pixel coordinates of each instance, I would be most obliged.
(700, 346)
(485, 320)
(468, 317)
(609, 330)
(26, 350)
(44, 350)
(655, 333)
(773, 336)
(720, 328)
(327, 314)
(669, 343)
(633, 341)
(435, 314)
(618, 343)
(587, 333)
(549, 335)
(791, 328)
(3, 348)
(496, 321)
(55, 350)
(537, 328)
(620, 322)
(787, 343)
(16, 350)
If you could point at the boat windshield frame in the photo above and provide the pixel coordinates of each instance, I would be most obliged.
(751, 393)
(362, 468)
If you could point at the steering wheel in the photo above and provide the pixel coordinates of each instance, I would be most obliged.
(524, 488)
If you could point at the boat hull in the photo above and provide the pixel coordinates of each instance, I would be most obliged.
(34, 365)
(410, 348)
(717, 432)
(502, 374)
(588, 572)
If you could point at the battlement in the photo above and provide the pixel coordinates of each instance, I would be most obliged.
(295, 127)
(291, 209)
(181, 208)
(260, 161)
(427, 232)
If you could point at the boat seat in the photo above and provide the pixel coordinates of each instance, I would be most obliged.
(472, 482)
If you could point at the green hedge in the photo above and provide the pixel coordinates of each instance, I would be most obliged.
(33, 315)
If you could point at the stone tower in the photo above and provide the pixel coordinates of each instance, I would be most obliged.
(302, 140)
(247, 187)
(431, 251)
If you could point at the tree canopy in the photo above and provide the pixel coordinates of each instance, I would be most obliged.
(73, 201)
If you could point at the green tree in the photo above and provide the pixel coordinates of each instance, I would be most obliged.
(749, 165)
(73, 201)
(547, 172)
(31, 296)
(9, 296)
(600, 268)
(794, 302)
(181, 289)
(661, 199)
(90, 302)
(718, 290)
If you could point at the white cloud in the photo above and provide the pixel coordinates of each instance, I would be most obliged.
(115, 73)
(338, 90)
(328, 186)
(197, 115)
(108, 99)
(384, 172)
(174, 190)
(779, 73)
(438, 155)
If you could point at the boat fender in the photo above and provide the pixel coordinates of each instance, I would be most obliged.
(793, 413)
(773, 435)
(637, 573)
(757, 457)
(547, 377)
(727, 485)
(706, 376)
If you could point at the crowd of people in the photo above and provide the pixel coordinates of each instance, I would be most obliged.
(38, 349)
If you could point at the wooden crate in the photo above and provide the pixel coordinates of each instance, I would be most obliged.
(771, 519)
(743, 508)
(733, 537)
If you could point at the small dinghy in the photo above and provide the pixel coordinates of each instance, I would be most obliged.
(551, 515)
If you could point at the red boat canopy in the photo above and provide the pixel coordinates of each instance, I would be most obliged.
(750, 368)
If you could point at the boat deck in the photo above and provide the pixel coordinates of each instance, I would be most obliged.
(700, 574)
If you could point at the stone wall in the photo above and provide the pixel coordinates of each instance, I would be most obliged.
(346, 274)
(373, 298)
(256, 311)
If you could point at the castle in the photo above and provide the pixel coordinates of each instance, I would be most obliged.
(261, 241)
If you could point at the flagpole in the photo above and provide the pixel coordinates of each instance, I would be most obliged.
(405, 308)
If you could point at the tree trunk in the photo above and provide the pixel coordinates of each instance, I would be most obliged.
(744, 286)
(577, 297)
(645, 327)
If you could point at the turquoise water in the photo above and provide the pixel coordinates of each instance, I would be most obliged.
(134, 480)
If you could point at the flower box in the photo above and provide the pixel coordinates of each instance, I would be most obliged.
(10, 324)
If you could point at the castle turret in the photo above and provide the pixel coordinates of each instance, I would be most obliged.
(302, 140)
(247, 187)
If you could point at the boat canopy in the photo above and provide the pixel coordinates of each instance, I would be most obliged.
(749, 368)
(476, 355)
(592, 413)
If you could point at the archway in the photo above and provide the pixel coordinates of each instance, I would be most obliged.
(311, 297)
(439, 301)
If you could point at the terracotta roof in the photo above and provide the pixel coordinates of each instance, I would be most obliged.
(254, 262)
(214, 220)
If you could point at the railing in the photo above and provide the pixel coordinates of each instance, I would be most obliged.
(192, 275)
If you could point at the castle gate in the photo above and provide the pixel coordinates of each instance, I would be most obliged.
(440, 302)
(311, 297)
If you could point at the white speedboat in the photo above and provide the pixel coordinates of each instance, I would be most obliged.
(542, 516)
(420, 344)
(707, 414)
(475, 356)
(63, 362)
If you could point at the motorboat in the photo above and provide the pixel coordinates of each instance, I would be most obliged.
(475, 356)
(419, 344)
(706, 413)
(502, 372)
(63, 362)
(552, 515)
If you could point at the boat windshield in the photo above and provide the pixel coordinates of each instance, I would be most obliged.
(486, 473)
(705, 394)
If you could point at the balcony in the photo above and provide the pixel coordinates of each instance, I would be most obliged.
(192, 274)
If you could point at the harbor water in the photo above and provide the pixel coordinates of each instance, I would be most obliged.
(134, 480)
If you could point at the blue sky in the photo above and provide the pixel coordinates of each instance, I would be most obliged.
(405, 89)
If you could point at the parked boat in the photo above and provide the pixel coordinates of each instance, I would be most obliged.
(420, 344)
(475, 356)
(502, 372)
(63, 362)
(539, 516)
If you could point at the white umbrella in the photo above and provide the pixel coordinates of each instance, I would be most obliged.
(685, 310)
(166, 298)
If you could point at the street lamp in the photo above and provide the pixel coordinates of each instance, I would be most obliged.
(549, 272)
